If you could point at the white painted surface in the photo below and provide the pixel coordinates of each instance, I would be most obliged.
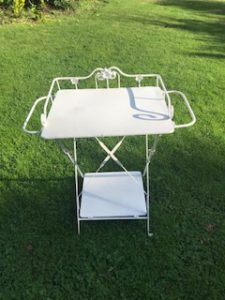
(108, 112)
(113, 194)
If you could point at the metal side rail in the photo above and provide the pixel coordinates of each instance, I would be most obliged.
(184, 98)
(24, 127)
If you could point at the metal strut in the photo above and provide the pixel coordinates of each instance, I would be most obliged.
(71, 158)
(76, 185)
(149, 153)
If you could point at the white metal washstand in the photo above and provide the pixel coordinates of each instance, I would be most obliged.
(74, 113)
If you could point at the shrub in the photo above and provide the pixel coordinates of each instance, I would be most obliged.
(60, 4)
(18, 6)
(6, 3)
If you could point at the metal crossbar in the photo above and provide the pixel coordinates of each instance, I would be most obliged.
(110, 153)
(69, 155)
(115, 159)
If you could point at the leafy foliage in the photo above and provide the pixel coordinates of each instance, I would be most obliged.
(18, 6)
(61, 4)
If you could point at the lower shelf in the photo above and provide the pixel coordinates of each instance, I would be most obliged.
(112, 195)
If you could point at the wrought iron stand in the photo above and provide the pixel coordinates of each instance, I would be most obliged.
(144, 109)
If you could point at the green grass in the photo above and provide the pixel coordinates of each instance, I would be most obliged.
(41, 255)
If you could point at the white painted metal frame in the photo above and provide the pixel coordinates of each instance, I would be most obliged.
(107, 75)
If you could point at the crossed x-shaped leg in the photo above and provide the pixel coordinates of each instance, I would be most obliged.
(110, 154)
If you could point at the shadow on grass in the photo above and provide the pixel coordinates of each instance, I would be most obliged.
(205, 18)
(208, 55)
(214, 26)
(211, 7)
(39, 239)
(215, 39)
(36, 207)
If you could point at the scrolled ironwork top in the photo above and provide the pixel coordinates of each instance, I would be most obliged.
(106, 74)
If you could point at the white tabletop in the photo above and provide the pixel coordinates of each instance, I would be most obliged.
(108, 112)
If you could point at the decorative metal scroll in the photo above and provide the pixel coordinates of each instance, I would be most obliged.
(106, 74)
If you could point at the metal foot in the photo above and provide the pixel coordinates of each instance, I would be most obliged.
(150, 234)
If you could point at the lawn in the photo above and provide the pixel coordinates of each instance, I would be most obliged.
(41, 255)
